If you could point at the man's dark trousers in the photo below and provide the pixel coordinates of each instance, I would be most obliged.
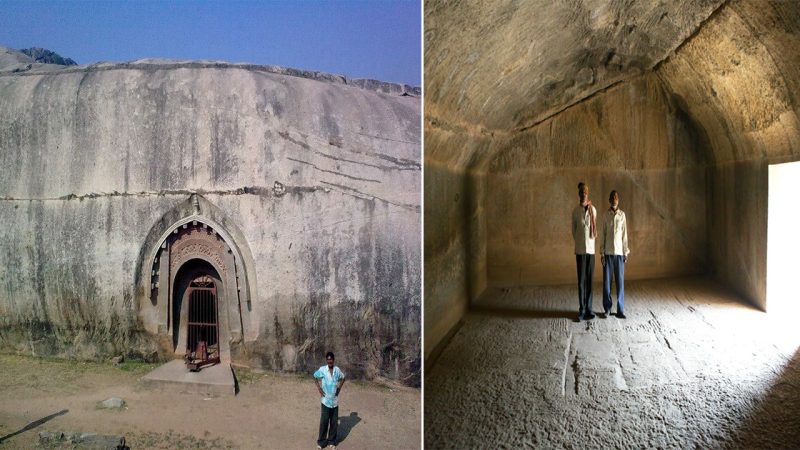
(585, 265)
(328, 421)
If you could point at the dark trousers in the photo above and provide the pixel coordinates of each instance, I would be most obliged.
(585, 265)
(615, 265)
(328, 425)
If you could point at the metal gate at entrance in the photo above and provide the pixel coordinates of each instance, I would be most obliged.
(202, 343)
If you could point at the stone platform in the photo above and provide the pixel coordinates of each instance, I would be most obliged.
(213, 381)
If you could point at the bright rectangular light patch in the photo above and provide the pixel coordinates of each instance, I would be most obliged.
(783, 238)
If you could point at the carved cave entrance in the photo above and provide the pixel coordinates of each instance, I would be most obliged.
(199, 298)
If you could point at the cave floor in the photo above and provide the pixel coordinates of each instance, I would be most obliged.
(270, 411)
(690, 367)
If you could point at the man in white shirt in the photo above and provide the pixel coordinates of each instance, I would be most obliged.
(614, 254)
(329, 380)
(584, 231)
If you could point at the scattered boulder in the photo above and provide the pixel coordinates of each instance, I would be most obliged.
(117, 360)
(113, 403)
(50, 436)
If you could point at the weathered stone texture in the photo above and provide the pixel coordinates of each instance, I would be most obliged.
(509, 64)
(316, 181)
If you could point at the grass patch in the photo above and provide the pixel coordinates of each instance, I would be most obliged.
(246, 375)
(136, 367)
(51, 374)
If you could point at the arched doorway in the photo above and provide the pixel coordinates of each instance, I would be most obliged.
(187, 237)
(196, 265)
(195, 307)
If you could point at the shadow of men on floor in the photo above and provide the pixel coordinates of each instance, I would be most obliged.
(346, 424)
(33, 425)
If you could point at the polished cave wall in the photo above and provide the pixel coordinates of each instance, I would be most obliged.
(319, 180)
(455, 228)
(631, 138)
(726, 100)
(739, 78)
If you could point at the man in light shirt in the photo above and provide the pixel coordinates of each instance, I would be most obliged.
(584, 231)
(329, 380)
(614, 254)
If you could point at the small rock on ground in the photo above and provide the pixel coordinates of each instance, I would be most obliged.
(112, 403)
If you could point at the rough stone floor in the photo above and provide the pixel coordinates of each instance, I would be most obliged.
(691, 367)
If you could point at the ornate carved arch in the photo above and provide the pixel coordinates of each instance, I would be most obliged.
(192, 237)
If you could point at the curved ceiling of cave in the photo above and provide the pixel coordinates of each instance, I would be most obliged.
(505, 64)
(497, 68)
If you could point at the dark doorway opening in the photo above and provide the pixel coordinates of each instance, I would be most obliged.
(195, 308)
(202, 325)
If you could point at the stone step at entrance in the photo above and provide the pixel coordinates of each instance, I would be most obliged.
(215, 381)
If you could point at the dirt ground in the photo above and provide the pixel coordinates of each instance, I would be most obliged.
(270, 411)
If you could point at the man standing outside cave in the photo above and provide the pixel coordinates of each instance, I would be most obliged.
(329, 380)
(614, 254)
(584, 231)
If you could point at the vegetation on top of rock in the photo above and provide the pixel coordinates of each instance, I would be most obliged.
(43, 55)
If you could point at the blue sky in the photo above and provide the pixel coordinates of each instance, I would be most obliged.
(377, 39)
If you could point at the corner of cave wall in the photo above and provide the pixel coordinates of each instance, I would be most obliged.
(455, 231)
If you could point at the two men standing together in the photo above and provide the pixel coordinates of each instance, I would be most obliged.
(613, 252)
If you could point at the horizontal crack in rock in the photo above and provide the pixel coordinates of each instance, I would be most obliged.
(333, 171)
(359, 194)
(246, 190)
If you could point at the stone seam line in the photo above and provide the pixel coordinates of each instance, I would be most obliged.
(247, 190)
(567, 351)
(376, 166)
(658, 329)
(332, 171)
(401, 163)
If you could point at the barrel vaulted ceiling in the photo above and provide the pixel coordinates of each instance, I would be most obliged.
(510, 64)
